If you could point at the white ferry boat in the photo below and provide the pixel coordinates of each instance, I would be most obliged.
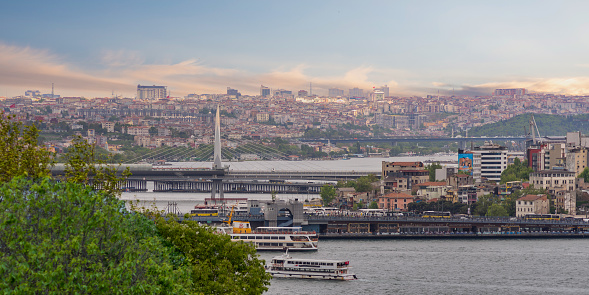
(274, 238)
(287, 267)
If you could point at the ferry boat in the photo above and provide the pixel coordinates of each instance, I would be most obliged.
(285, 266)
(270, 238)
(273, 238)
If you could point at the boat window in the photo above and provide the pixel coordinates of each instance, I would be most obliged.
(266, 238)
(281, 237)
(289, 244)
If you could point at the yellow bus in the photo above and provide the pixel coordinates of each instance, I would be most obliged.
(204, 212)
(436, 214)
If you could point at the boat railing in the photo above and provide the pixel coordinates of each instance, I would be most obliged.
(285, 232)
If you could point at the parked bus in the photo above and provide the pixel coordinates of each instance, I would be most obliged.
(205, 212)
(373, 212)
(436, 214)
(320, 210)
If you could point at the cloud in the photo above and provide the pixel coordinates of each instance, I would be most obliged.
(32, 68)
(23, 68)
(121, 58)
(27, 68)
(570, 86)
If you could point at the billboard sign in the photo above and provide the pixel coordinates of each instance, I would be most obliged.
(465, 163)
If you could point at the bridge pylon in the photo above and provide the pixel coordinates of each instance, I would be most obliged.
(217, 186)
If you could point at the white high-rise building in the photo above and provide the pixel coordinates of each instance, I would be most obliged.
(151, 92)
(488, 161)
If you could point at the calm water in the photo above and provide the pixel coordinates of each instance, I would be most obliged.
(449, 267)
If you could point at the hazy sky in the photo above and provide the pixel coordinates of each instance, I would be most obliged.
(92, 48)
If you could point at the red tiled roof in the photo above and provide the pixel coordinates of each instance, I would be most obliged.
(397, 196)
(532, 198)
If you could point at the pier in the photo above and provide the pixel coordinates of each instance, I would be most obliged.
(390, 227)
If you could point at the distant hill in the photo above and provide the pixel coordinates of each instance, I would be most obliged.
(549, 125)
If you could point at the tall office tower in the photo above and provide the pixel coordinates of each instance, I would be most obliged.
(151, 92)
(356, 92)
(264, 91)
(334, 92)
(486, 161)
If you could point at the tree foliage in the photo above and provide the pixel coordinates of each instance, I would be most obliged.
(20, 153)
(83, 165)
(518, 171)
(65, 238)
(549, 125)
(69, 237)
(496, 210)
(362, 184)
(483, 203)
(585, 174)
(217, 265)
(327, 194)
(432, 170)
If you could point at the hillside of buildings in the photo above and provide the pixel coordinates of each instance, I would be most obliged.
(548, 125)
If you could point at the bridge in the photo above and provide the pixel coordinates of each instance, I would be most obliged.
(415, 139)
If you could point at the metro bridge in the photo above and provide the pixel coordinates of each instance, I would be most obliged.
(414, 139)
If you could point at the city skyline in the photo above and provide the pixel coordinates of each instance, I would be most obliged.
(416, 48)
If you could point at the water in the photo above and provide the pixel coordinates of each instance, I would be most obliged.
(449, 267)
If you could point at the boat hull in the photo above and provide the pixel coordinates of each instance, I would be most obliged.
(298, 275)
(281, 249)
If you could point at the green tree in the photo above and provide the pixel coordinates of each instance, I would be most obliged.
(217, 265)
(20, 153)
(496, 210)
(83, 165)
(517, 171)
(65, 238)
(483, 203)
(364, 183)
(585, 174)
(373, 205)
(327, 194)
(432, 170)
(153, 131)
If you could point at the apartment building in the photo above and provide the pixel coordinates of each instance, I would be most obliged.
(531, 204)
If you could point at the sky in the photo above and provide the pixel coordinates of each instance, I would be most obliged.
(95, 48)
